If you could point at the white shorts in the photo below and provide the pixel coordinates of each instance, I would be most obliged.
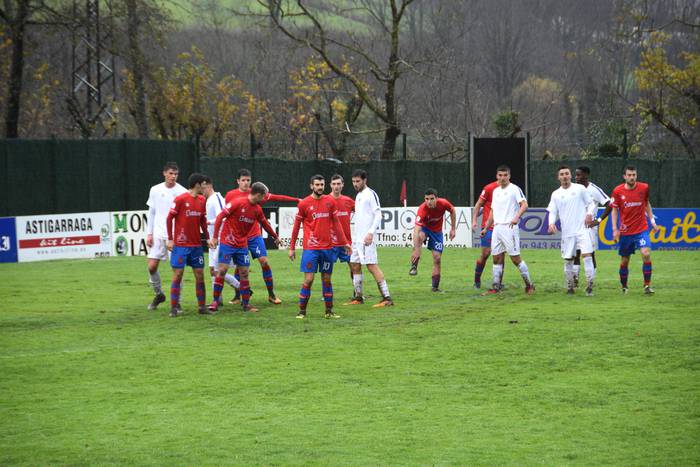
(364, 254)
(594, 237)
(505, 239)
(159, 250)
(582, 242)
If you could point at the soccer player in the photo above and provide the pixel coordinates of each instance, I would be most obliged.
(319, 215)
(485, 201)
(160, 197)
(241, 216)
(215, 204)
(583, 175)
(188, 213)
(256, 243)
(507, 206)
(345, 206)
(573, 206)
(368, 214)
(631, 201)
(428, 228)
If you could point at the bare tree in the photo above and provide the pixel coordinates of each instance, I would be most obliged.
(304, 24)
(18, 15)
(136, 61)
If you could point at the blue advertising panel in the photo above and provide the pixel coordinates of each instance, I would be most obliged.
(678, 230)
(8, 240)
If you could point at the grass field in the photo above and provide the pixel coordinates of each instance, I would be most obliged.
(90, 377)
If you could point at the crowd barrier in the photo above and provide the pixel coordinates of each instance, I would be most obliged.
(123, 233)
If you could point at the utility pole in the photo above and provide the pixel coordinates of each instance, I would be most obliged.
(93, 83)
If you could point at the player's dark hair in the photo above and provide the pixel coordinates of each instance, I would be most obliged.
(170, 165)
(562, 167)
(244, 173)
(631, 168)
(503, 168)
(431, 191)
(207, 179)
(317, 177)
(337, 177)
(259, 188)
(359, 173)
(585, 169)
(195, 178)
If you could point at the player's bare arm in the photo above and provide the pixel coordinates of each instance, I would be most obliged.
(295, 235)
(453, 220)
(608, 208)
(489, 223)
(521, 211)
(417, 243)
(615, 231)
(650, 215)
(475, 212)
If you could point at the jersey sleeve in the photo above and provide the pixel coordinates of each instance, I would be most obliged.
(420, 214)
(281, 198)
(598, 195)
(591, 204)
(446, 205)
(175, 207)
(519, 195)
(150, 202)
(613, 199)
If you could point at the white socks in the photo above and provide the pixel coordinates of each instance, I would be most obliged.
(383, 288)
(590, 269)
(231, 280)
(497, 271)
(569, 272)
(154, 280)
(524, 273)
(357, 284)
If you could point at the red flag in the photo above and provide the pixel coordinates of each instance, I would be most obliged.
(402, 196)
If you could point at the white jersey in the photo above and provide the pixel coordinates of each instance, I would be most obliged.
(597, 194)
(368, 214)
(505, 203)
(159, 200)
(215, 204)
(570, 206)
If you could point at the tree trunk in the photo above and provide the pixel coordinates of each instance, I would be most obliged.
(14, 94)
(136, 63)
(389, 146)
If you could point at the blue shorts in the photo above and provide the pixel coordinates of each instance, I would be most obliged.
(317, 261)
(256, 245)
(340, 255)
(192, 256)
(434, 239)
(486, 239)
(239, 256)
(630, 243)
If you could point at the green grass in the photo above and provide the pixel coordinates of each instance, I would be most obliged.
(88, 376)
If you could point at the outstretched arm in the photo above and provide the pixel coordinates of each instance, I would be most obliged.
(282, 198)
